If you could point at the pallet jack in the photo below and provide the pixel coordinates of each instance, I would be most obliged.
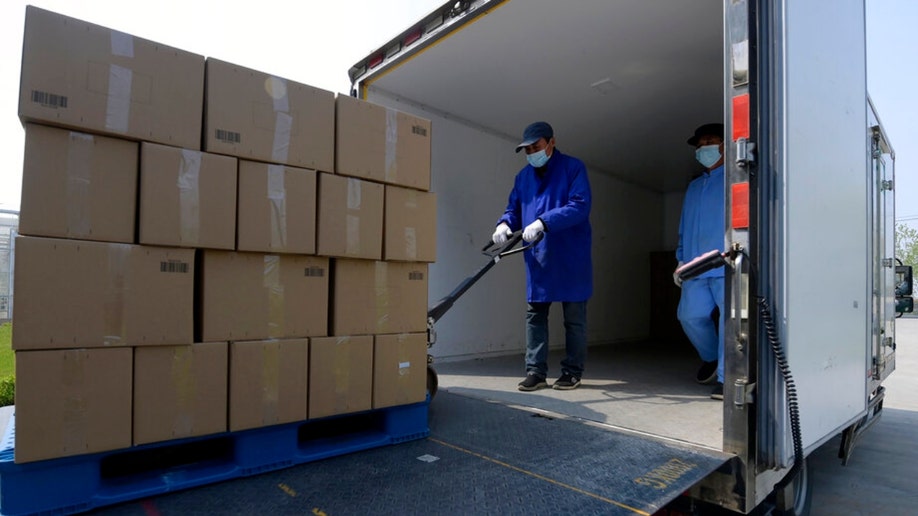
(495, 253)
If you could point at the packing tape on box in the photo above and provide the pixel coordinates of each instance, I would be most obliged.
(73, 371)
(277, 199)
(122, 44)
(79, 184)
(118, 104)
(118, 256)
(283, 124)
(270, 374)
(342, 368)
(382, 296)
(184, 389)
(411, 233)
(391, 145)
(275, 291)
(352, 221)
(189, 196)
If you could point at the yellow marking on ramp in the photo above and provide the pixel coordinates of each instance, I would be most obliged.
(540, 477)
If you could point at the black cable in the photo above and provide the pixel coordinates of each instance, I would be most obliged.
(791, 391)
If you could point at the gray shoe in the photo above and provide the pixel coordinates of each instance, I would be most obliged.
(532, 382)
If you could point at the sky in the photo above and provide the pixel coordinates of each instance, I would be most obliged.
(315, 42)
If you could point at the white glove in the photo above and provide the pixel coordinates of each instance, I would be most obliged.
(676, 278)
(532, 231)
(501, 233)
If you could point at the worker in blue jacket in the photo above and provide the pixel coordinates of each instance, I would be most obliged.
(701, 229)
(551, 195)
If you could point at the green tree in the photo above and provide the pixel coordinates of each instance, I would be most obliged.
(907, 244)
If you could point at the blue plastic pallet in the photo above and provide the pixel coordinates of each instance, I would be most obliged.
(76, 484)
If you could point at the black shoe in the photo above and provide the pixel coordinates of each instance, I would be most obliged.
(532, 383)
(718, 392)
(566, 383)
(707, 373)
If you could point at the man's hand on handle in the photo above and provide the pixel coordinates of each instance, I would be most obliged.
(532, 231)
(501, 233)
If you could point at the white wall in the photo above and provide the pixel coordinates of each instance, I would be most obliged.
(472, 174)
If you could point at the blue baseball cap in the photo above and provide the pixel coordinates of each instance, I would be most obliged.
(534, 132)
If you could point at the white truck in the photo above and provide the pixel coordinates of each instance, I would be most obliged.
(809, 239)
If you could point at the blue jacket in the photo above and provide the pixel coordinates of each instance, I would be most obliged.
(701, 228)
(560, 266)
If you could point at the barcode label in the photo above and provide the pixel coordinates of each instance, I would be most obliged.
(49, 99)
(228, 136)
(419, 130)
(174, 266)
(314, 272)
(415, 276)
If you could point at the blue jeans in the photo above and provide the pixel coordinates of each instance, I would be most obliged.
(574, 338)
(699, 297)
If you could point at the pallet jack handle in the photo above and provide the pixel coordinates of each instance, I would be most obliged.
(495, 253)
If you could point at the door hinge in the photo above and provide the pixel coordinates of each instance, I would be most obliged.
(743, 392)
(745, 152)
(888, 263)
(886, 184)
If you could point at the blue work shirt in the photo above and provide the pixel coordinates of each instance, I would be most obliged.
(560, 266)
(701, 228)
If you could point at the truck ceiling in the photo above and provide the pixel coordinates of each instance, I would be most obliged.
(623, 82)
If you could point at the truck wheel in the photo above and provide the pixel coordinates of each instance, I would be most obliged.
(432, 382)
(796, 498)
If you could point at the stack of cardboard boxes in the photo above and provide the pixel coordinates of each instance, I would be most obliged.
(170, 285)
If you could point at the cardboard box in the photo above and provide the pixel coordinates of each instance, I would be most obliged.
(72, 402)
(399, 369)
(257, 116)
(382, 144)
(370, 297)
(76, 185)
(80, 75)
(410, 225)
(340, 375)
(268, 383)
(76, 294)
(187, 198)
(350, 221)
(179, 391)
(254, 296)
(277, 208)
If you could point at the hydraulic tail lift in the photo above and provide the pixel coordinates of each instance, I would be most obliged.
(495, 253)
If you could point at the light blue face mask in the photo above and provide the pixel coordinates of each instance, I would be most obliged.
(537, 159)
(708, 155)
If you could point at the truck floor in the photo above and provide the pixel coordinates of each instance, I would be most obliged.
(646, 387)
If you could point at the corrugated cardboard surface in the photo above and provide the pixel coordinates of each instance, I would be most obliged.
(382, 144)
(179, 391)
(277, 208)
(410, 225)
(350, 221)
(77, 74)
(340, 375)
(71, 402)
(257, 116)
(399, 369)
(77, 185)
(373, 297)
(74, 294)
(187, 198)
(255, 296)
(268, 383)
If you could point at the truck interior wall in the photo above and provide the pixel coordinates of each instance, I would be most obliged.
(472, 174)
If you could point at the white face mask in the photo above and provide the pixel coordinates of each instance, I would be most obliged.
(537, 159)
(708, 155)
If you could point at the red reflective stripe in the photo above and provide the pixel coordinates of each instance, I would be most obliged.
(739, 203)
(741, 116)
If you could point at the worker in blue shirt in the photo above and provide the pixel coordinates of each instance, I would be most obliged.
(551, 195)
(701, 229)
